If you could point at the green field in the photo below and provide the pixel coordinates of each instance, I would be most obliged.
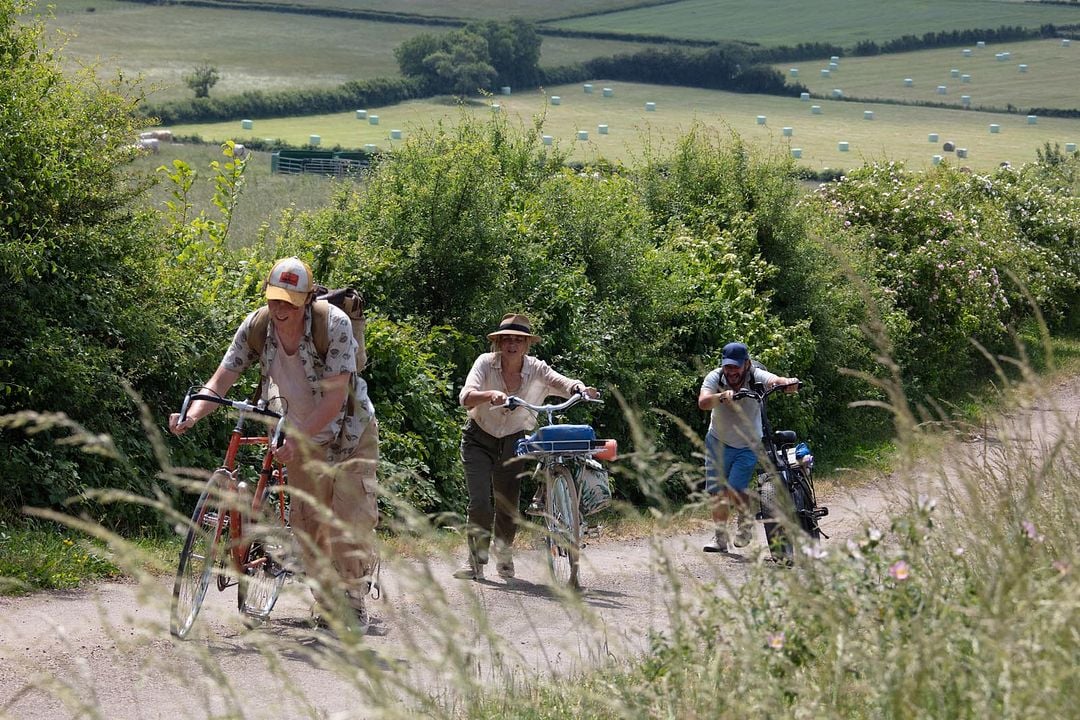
(253, 50)
(845, 22)
(896, 132)
(1050, 80)
(476, 9)
(264, 195)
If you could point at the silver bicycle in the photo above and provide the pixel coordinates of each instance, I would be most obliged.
(573, 487)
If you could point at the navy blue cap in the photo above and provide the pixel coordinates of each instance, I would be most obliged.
(735, 353)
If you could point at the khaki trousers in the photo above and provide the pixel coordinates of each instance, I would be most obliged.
(336, 527)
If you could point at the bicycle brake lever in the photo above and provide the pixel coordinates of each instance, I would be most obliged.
(278, 438)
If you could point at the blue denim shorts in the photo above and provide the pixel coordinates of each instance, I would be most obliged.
(738, 466)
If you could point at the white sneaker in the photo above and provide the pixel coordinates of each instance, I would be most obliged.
(745, 533)
(719, 542)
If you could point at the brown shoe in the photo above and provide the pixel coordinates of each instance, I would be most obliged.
(471, 570)
(504, 560)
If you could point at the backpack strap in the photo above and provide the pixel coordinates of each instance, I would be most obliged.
(259, 327)
(320, 327)
(320, 335)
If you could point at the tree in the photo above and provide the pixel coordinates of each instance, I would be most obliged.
(411, 54)
(84, 308)
(202, 78)
(514, 49)
(477, 56)
(463, 68)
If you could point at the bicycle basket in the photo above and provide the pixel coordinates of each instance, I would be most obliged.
(558, 438)
(595, 487)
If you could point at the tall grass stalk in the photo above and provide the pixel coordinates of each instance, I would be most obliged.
(960, 601)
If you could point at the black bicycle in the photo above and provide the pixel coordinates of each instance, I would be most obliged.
(786, 490)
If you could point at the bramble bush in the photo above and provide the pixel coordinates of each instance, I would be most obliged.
(944, 245)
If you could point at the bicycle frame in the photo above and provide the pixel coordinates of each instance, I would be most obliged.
(269, 469)
(795, 476)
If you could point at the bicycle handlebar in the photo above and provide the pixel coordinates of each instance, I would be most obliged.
(513, 402)
(276, 438)
(751, 393)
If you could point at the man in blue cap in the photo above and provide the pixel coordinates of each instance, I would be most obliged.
(733, 442)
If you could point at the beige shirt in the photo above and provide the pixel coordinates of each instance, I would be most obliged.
(538, 382)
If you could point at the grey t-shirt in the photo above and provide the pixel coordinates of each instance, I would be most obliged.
(737, 424)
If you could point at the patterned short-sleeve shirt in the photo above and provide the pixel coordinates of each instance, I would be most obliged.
(340, 358)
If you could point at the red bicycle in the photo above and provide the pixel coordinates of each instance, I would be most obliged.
(239, 536)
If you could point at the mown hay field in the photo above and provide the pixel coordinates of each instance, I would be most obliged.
(846, 22)
(254, 50)
(1049, 79)
(896, 132)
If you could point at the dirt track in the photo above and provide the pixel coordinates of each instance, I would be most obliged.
(109, 646)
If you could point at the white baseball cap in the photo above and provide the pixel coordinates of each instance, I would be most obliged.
(290, 280)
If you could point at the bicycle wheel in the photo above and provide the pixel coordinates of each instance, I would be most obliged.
(563, 527)
(772, 512)
(264, 571)
(202, 551)
(802, 498)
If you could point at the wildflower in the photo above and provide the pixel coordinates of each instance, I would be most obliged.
(1031, 532)
(899, 570)
(1061, 566)
(776, 640)
(925, 503)
(853, 549)
(874, 534)
(814, 551)
(958, 550)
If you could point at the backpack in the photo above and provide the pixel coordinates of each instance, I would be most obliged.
(348, 300)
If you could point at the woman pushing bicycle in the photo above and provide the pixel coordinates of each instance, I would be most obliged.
(489, 440)
(331, 450)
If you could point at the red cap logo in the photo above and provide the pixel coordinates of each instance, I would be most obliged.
(289, 278)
